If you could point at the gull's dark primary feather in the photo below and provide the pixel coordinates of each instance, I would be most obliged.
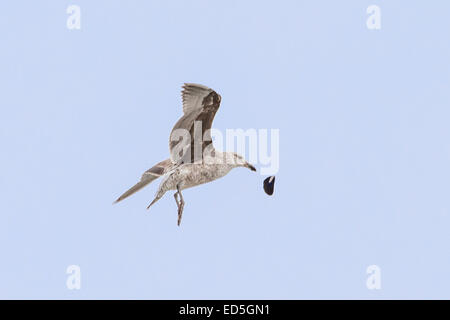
(200, 105)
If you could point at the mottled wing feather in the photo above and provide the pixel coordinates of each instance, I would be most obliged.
(200, 105)
(158, 170)
(148, 176)
(192, 96)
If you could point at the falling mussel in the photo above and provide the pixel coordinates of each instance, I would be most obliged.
(269, 184)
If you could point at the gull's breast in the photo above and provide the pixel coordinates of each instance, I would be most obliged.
(191, 175)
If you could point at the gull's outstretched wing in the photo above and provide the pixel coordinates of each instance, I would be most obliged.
(148, 176)
(192, 96)
(191, 134)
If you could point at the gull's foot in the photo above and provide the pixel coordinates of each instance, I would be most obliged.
(180, 212)
(180, 204)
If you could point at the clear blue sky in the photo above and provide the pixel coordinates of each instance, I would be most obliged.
(364, 149)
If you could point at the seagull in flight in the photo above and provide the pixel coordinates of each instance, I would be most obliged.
(193, 159)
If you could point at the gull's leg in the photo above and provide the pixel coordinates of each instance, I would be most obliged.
(175, 195)
(154, 200)
(180, 204)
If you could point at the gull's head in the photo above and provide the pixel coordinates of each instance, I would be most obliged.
(239, 161)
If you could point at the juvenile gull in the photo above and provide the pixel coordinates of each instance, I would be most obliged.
(193, 159)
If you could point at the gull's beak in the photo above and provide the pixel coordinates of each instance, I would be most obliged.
(248, 165)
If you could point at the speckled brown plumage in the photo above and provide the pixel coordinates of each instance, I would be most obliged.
(192, 161)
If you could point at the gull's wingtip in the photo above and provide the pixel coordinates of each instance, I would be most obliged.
(119, 199)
